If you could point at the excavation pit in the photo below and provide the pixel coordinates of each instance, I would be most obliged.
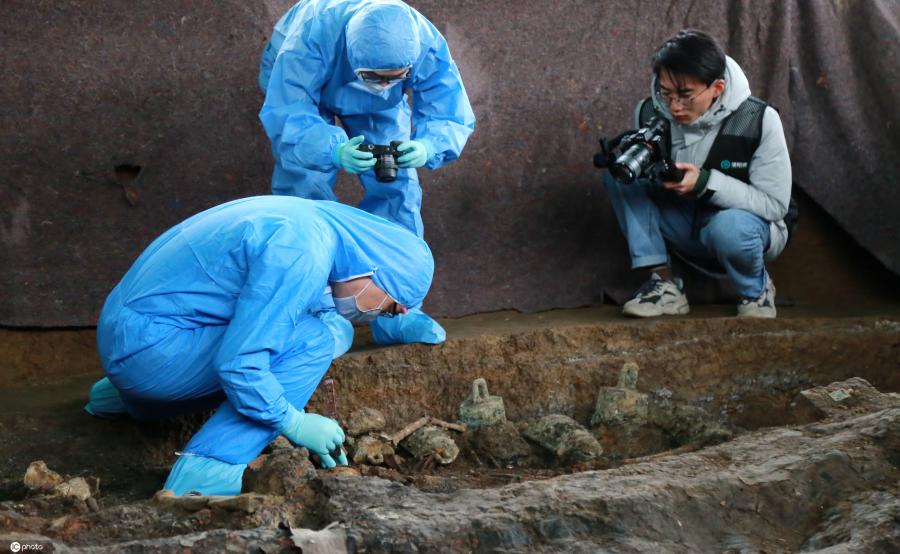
(716, 447)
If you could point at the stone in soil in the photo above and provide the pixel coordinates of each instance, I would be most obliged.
(500, 443)
(282, 472)
(365, 420)
(40, 477)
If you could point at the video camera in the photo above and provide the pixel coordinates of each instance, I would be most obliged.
(385, 159)
(644, 152)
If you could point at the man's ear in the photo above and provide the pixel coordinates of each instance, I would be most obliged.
(719, 86)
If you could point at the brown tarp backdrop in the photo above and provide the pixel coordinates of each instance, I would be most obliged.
(520, 221)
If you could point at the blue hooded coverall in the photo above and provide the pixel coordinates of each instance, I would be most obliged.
(308, 75)
(216, 312)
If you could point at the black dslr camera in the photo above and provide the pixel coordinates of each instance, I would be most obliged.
(644, 152)
(385, 159)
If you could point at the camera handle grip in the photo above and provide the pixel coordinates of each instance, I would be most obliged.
(604, 158)
(668, 172)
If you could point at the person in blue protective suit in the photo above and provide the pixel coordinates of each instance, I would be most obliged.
(218, 313)
(356, 60)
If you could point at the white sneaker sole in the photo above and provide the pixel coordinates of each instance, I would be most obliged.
(762, 313)
(654, 310)
(759, 313)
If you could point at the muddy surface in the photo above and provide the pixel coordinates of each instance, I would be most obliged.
(703, 444)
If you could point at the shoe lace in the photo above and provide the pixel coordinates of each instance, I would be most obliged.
(650, 285)
(759, 301)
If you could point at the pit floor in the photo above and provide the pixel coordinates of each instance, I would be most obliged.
(47, 422)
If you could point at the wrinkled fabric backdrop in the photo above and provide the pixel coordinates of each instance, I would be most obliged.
(520, 221)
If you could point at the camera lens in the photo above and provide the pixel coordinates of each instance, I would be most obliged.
(630, 165)
(622, 173)
(385, 168)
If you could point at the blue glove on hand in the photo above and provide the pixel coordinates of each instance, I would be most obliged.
(415, 154)
(350, 159)
(320, 435)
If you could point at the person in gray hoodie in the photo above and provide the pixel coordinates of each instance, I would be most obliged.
(728, 210)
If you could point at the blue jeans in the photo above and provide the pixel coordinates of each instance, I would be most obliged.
(651, 216)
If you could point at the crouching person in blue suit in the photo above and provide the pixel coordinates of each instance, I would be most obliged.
(218, 312)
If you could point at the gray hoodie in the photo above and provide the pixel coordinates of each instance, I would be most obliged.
(769, 191)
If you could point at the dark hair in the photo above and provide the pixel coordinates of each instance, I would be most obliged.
(691, 53)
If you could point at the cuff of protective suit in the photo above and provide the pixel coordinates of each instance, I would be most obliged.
(700, 188)
(292, 419)
(336, 155)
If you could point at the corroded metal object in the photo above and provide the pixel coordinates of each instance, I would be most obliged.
(628, 376)
(331, 409)
(432, 442)
(372, 450)
(623, 403)
(565, 438)
(481, 409)
(500, 443)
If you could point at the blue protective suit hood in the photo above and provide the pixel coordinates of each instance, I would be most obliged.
(400, 263)
(382, 35)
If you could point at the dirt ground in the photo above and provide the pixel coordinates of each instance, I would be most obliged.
(725, 457)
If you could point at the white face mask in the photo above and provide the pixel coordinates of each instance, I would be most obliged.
(348, 307)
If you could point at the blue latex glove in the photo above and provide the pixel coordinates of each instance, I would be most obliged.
(319, 434)
(415, 154)
(414, 326)
(350, 159)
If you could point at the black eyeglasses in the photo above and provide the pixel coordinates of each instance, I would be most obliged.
(376, 77)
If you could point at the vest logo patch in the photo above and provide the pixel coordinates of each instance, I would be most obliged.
(726, 164)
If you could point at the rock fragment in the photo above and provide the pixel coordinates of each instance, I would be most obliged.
(365, 420)
(76, 487)
(854, 394)
(40, 477)
(283, 472)
(500, 443)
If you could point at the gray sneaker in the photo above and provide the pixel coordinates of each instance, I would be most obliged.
(658, 296)
(763, 307)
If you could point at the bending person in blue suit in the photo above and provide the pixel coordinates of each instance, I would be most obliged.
(356, 60)
(218, 312)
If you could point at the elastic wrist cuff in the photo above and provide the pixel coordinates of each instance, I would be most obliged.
(700, 187)
(336, 154)
(291, 417)
(429, 148)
